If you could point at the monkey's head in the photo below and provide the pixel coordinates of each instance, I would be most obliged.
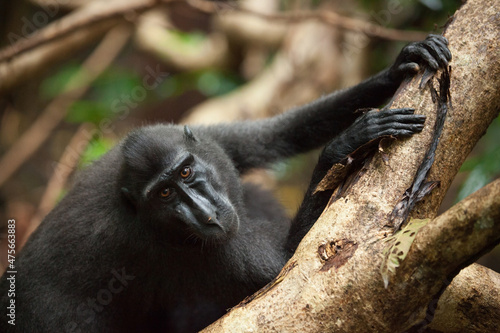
(184, 188)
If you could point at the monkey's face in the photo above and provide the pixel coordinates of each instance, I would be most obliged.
(184, 189)
(187, 200)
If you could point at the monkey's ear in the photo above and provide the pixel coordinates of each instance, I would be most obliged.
(188, 135)
(129, 196)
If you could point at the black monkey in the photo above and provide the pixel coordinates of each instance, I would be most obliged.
(160, 234)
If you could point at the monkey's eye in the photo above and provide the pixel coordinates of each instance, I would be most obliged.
(186, 172)
(166, 192)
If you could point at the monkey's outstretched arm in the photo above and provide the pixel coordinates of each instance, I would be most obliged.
(257, 143)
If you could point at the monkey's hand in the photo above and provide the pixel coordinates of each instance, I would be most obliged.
(370, 126)
(430, 54)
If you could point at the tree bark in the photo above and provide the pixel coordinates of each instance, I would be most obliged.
(471, 303)
(334, 283)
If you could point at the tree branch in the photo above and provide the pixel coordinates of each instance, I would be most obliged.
(95, 12)
(470, 304)
(313, 296)
(153, 35)
(66, 165)
(294, 77)
(94, 65)
(27, 65)
(75, 30)
(467, 228)
(348, 23)
(253, 29)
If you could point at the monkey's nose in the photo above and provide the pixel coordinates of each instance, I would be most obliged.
(213, 219)
(207, 215)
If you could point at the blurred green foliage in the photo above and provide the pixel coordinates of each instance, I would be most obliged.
(97, 147)
(483, 167)
(119, 91)
(210, 82)
(189, 38)
(57, 82)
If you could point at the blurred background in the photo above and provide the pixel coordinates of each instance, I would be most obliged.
(70, 90)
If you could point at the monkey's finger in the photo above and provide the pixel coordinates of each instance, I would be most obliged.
(443, 46)
(437, 37)
(400, 125)
(435, 50)
(389, 112)
(403, 119)
(410, 68)
(398, 129)
(402, 110)
(427, 58)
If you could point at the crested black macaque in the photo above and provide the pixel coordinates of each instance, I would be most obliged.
(161, 235)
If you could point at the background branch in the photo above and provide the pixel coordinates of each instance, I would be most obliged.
(294, 77)
(62, 38)
(95, 12)
(66, 165)
(154, 35)
(343, 22)
(277, 61)
(35, 136)
(28, 65)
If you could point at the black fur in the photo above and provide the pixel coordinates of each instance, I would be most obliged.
(161, 235)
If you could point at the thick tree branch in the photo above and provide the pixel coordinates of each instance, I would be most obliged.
(467, 228)
(451, 242)
(312, 295)
(470, 304)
